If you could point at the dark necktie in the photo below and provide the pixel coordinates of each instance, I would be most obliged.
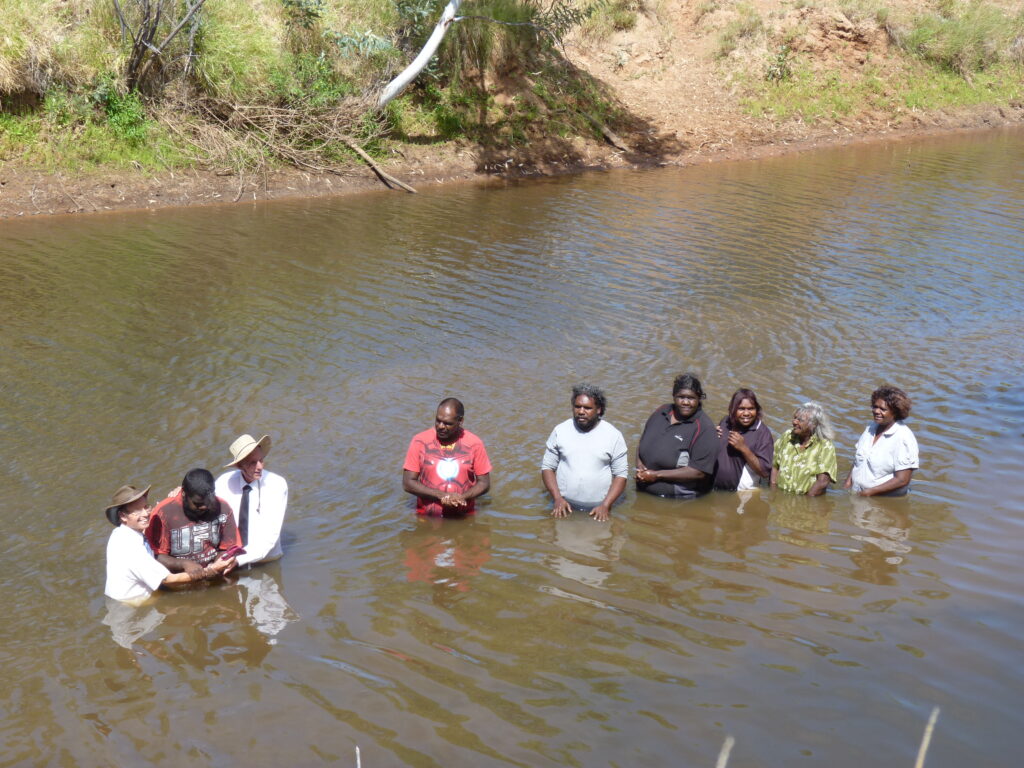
(243, 515)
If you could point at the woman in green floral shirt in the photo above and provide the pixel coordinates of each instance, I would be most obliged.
(805, 456)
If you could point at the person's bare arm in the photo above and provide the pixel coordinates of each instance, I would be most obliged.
(603, 511)
(820, 485)
(479, 488)
(217, 568)
(900, 479)
(561, 507)
(679, 474)
(411, 484)
(177, 564)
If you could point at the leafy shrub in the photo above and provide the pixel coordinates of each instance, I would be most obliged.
(125, 113)
(303, 13)
(308, 79)
(779, 69)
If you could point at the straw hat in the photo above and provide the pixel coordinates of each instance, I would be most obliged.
(126, 494)
(245, 445)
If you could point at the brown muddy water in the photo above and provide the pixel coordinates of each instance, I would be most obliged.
(818, 632)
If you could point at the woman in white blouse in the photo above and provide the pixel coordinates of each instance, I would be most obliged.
(887, 451)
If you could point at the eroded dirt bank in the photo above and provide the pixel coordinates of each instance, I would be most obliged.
(25, 192)
(684, 108)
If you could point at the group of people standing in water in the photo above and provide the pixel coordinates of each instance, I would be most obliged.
(206, 528)
(682, 454)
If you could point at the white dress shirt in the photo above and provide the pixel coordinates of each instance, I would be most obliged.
(267, 502)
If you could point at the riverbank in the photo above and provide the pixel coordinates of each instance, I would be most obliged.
(661, 83)
(26, 192)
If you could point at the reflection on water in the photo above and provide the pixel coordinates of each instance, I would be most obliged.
(446, 553)
(814, 630)
(587, 547)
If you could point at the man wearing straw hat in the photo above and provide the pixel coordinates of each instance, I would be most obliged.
(133, 573)
(258, 498)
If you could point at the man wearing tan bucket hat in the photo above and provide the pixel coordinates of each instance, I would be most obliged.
(258, 497)
(133, 573)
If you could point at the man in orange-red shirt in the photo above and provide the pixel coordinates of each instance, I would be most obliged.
(446, 468)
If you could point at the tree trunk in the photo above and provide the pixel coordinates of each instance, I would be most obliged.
(409, 74)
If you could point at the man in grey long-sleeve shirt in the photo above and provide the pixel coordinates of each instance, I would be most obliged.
(585, 464)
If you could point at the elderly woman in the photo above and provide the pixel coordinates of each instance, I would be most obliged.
(746, 446)
(887, 451)
(805, 456)
(676, 455)
(132, 571)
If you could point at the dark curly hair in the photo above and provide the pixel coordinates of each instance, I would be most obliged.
(895, 398)
(594, 393)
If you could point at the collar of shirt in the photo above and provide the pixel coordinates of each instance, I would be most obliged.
(241, 483)
(890, 431)
(667, 412)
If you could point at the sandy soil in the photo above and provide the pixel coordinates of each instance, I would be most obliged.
(684, 105)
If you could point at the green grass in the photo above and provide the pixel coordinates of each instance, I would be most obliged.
(965, 38)
(998, 85)
(48, 141)
(817, 97)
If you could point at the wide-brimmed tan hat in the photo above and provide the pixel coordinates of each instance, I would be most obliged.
(245, 445)
(126, 494)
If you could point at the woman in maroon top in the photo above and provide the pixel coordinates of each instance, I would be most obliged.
(746, 446)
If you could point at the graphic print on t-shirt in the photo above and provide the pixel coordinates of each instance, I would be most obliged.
(447, 469)
(190, 541)
(450, 471)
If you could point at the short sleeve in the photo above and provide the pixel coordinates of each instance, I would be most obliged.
(229, 536)
(156, 535)
(481, 461)
(828, 463)
(150, 572)
(906, 452)
(413, 456)
(551, 453)
(620, 457)
(704, 454)
(764, 447)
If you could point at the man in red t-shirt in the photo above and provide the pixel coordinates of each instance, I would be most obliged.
(192, 528)
(446, 467)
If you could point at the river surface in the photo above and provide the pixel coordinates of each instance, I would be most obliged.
(817, 632)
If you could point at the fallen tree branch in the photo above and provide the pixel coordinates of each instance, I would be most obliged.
(610, 137)
(386, 178)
